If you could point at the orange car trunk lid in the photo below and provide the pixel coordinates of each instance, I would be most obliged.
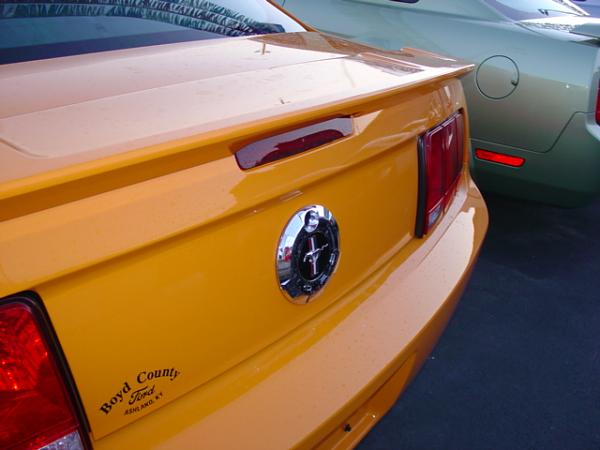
(160, 277)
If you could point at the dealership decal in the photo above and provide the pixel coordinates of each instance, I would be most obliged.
(140, 392)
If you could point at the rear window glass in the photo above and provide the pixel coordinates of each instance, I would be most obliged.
(535, 9)
(41, 29)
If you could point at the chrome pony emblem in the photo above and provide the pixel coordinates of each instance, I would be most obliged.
(308, 253)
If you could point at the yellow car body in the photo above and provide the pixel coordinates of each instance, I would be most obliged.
(124, 213)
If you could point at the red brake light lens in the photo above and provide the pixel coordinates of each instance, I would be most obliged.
(441, 162)
(293, 142)
(500, 158)
(35, 409)
(598, 107)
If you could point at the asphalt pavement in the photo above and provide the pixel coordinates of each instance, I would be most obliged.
(519, 365)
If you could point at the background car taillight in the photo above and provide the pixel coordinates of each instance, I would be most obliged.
(499, 158)
(36, 410)
(598, 107)
(441, 158)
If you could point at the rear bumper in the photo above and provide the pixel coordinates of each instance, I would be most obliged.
(362, 351)
(567, 175)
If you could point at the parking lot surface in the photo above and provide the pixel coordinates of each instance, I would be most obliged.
(519, 364)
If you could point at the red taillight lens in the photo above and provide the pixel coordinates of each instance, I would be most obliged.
(441, 161)
(35, 409)
(598, 107)
(500, 158)
(293, 142)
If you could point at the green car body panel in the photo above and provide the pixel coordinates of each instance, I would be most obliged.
(534, 92)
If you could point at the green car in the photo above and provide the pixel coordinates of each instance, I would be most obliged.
(533, 98)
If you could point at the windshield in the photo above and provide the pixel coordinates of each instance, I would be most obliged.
(41, 29)
(536, 9)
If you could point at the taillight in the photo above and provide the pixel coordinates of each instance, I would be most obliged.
(35, 408)
(598, 107)
(441, 157)
(293, 142)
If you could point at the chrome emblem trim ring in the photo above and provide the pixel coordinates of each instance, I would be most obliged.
(308, 253)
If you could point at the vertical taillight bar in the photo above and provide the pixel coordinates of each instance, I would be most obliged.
(441, 159)
(598, 106)
(37, 406)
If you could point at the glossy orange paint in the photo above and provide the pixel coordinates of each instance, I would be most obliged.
(154, 253)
